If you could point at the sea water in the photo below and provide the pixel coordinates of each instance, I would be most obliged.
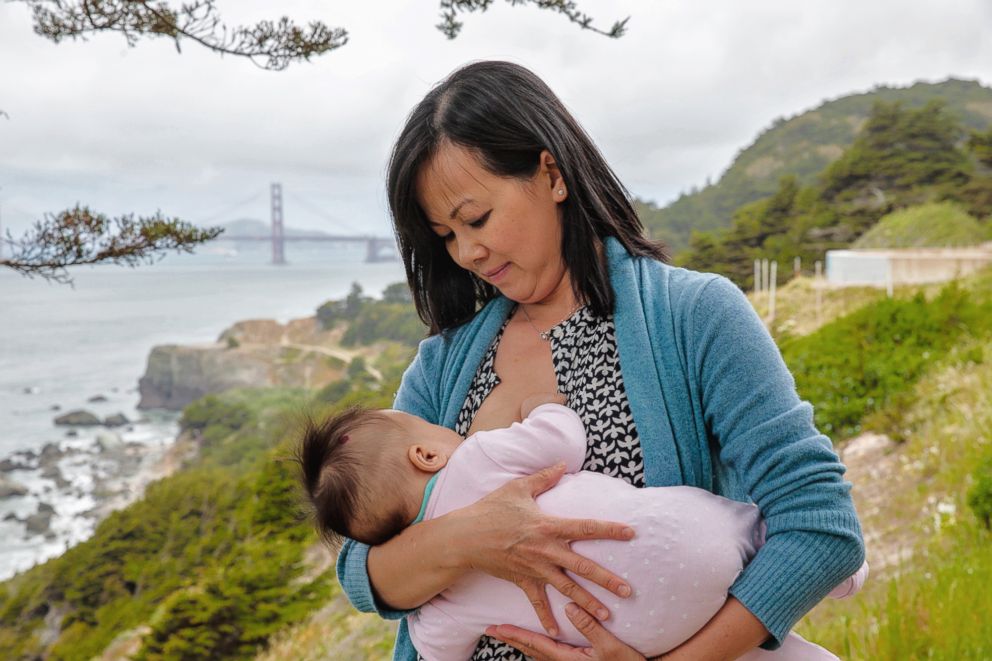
(60, 346)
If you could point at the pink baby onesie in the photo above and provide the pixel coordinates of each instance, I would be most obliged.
(689, 547)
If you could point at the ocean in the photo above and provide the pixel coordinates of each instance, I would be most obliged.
(62, 346)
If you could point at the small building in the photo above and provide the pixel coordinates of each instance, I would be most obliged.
(904, 266)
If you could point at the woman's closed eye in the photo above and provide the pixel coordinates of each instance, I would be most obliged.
(475, 224)
(481, 220)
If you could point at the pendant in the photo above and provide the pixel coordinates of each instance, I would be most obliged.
(545, 335)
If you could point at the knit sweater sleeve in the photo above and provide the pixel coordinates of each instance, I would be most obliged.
(413, 396)
(767, 440)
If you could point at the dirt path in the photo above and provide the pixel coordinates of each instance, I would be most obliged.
(877, 467)
(341, 354)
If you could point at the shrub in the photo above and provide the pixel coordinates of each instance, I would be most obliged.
(215, 411)
(863, 362)
(980, 495)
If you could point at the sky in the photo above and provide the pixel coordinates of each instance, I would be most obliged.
(201, 137)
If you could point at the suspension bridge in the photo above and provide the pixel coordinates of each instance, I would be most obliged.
(377, 248)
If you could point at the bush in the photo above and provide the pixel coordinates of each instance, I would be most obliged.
(980, 495)
(385, 321)
(865, 361)
(215, 411)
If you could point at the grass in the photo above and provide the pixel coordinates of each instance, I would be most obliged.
(336, 631)
(935, 605)
(935, 224)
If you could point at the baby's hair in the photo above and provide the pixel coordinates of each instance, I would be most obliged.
(348, 479)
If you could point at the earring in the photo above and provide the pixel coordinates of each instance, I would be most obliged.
(561, 191)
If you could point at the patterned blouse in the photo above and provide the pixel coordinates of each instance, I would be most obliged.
(587, 367)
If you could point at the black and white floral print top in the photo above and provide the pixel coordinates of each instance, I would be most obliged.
(587, 366)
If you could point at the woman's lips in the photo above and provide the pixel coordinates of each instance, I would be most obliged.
(496, 274)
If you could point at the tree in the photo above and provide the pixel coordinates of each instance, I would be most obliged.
(269, 44)
(981, 146)
(80, 236)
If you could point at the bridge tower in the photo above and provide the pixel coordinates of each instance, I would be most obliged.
(278, 244)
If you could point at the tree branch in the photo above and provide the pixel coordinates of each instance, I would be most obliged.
(270, 45)
(451, 26)
(78, 236)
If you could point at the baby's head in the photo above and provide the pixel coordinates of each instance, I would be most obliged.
(364, 471)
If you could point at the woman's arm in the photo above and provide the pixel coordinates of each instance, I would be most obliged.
(503, 534)
(732, 632)
(769, 443)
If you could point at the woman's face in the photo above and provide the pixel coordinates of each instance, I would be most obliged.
(505, 230)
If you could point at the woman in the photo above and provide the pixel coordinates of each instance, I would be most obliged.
(527, 260)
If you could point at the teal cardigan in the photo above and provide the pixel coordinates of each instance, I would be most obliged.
(715, 407)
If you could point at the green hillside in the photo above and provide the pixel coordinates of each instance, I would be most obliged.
(938, 224)
(803, 146)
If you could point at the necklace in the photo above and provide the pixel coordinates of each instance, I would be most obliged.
(546, 335)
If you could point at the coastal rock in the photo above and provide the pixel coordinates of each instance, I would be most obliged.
(116, 420)
(79, 418)
(178, 375)
(250, 354)
(10, 464)
(9, 488)
(97, 398)
(54, 473)
(108, 441)
(253, 331)
(40, 522)
(50, 452)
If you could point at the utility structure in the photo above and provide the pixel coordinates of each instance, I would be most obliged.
(278, 240)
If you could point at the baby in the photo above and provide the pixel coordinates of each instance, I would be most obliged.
(371, 473)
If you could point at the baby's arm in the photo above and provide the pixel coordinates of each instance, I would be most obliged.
(549, 434)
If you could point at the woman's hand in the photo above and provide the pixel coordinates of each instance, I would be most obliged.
(604, 644)
(518, 543)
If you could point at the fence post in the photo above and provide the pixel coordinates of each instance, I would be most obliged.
(771, 294)
(818, 284)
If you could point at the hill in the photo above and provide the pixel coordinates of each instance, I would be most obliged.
(938, 224)
(803, 145)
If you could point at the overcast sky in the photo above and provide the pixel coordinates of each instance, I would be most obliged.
(670, 104)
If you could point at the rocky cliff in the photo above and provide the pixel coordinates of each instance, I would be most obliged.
(255, 353)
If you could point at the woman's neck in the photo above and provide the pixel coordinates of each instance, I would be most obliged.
(554, 308)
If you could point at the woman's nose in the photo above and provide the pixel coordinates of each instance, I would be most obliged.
(469, 252)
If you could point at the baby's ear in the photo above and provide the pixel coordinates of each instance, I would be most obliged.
(426, 458)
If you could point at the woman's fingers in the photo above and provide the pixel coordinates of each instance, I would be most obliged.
(572, 590)
(589, 570)
(535, 645)
(605, 644)
(538, 596)
(576, 529)
(543, 479)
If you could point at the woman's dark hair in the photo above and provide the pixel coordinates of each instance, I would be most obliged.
(348, 481)
(506, 115)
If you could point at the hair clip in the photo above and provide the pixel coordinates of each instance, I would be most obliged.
(344, 439)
